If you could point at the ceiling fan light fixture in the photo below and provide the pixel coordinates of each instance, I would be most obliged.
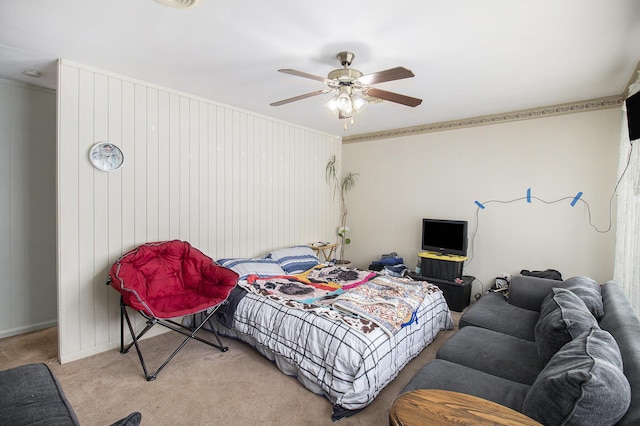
(343, 102)
(353, 89)
(332, 105)
(358, 102)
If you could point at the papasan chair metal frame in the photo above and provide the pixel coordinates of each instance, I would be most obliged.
(166, 280)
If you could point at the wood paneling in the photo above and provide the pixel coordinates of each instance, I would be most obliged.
(230, 182)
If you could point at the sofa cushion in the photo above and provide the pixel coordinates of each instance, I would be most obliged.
(494, 313)
(563, 317)
(494, 353)
(588, 291)
(582, 384)
(445, 375)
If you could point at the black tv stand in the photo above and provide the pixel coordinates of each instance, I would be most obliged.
(457, 295)
(445, 267)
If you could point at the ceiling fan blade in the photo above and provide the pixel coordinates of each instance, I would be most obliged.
(394, 97)
(303, 74)
(300, 97)
(397, 73)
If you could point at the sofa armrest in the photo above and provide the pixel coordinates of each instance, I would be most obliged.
(528, 292)
(621, 320)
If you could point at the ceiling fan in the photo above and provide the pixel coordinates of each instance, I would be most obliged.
(352, 87)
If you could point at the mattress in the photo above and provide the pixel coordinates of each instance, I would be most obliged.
(330, 357)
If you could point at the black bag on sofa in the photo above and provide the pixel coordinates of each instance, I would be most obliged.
(550, 274)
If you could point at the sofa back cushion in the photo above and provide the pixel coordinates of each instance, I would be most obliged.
(582, 384)
(588, 291)
(563, 317)
(529, 292)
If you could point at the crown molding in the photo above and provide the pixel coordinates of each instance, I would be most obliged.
(634, 81)
(548, 111)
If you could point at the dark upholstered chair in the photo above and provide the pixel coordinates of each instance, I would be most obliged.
(166, 280)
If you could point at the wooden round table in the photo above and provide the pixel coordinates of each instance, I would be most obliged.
(439, 407)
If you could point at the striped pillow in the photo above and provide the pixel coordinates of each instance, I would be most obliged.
(295, 260)
(259, 266)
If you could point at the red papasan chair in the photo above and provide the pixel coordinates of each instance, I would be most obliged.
(166, 280)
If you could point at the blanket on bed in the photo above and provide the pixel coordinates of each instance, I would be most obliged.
(291, 288)
(391, 303)
(318, 286)
(296, 292)
(365, 302)
(336, 276)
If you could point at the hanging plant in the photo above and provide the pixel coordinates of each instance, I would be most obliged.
(343, 186)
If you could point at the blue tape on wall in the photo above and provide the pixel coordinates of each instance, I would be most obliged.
(576, 198)
(479, 204)
(528, 195)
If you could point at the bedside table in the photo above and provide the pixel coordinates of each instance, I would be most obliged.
(328, 250)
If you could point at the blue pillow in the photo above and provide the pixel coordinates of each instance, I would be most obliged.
(259, 266)
(295, 260)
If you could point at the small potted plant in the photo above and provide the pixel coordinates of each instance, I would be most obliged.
(342, 186)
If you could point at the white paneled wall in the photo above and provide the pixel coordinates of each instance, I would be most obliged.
(27, 208)
(230, 182)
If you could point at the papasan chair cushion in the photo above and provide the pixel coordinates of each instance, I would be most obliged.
(170, 279)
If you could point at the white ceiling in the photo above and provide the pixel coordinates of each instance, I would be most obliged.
(470, 57)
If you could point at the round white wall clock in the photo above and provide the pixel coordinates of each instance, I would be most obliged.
(106, 156)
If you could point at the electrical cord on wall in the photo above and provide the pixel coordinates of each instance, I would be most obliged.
(574, 199)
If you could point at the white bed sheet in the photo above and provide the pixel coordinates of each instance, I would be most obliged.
(329, 357)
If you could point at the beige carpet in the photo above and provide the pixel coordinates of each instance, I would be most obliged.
(201, 386)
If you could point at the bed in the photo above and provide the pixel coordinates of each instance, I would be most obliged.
(317, 322)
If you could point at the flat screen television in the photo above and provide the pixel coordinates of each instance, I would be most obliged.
(633, 116)
(445, 236)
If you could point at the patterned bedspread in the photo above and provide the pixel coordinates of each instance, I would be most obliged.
(360, 299)
(331, 357)
(390, 303)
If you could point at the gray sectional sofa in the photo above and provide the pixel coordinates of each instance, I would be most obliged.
(31, 395)
(562, 353)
